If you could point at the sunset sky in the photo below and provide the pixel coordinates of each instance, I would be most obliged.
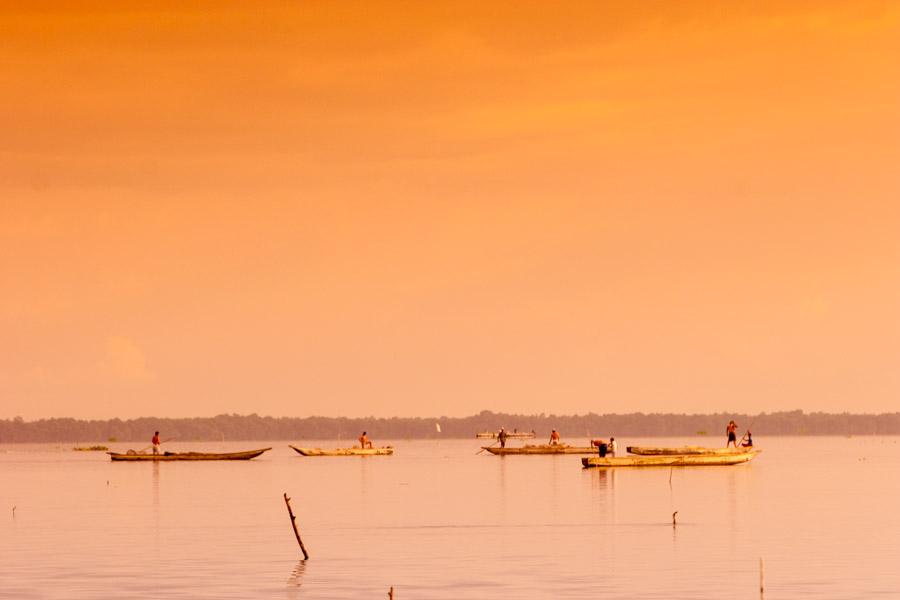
(344, 208)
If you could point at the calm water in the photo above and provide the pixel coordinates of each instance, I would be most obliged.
(438, 521)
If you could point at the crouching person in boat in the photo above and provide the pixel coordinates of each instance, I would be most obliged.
(602, 446)
(554, 438)
(747, 440)
(364, 441)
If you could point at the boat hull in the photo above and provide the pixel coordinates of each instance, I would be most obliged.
(170, 456)
(387, 451)
(680, 460)
(542, 449)
(681, 450)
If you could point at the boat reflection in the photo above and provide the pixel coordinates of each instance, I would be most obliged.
(605, 478)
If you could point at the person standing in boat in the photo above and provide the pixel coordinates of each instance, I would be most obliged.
(502, 435)
(602, 447)
(155, 442)
(364, 441)
(611, 447)
(731, 430)
(554, 438)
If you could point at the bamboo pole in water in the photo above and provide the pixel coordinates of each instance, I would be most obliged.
(287, 501)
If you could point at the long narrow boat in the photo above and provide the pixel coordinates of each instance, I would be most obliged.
(541, 449)
(512, 435)
(386, 451)
(679, 450)
(680, 460)
(165, 456)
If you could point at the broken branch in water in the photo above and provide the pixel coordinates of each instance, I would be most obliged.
(287, 501)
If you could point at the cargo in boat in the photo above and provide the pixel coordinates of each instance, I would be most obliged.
(678, 450)
(511, 435)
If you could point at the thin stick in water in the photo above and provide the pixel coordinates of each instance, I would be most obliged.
(673, 518)
(391, 593)
(287, 501)
(762, 577)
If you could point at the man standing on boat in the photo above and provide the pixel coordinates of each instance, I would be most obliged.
(731, 430)
(554, 438)
(502, 437)
(611, 447)
(364, 441)
(155, 441)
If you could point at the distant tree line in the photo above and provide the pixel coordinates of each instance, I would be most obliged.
(255, 427)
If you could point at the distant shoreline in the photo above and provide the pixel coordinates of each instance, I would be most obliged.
(254, 427)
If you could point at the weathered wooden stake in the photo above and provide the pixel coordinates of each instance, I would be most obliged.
(762, 577)
(673, 518)
(287, 501)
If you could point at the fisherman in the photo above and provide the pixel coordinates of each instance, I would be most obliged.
(364, 441)
(554, 438)
(611, 447)
(155, 441)
(602, 447)
(747, 440)
(731, 430)
(502, 435)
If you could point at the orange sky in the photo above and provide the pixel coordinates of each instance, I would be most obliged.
(438, 208)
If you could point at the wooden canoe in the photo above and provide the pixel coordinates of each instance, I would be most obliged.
(673, 460)
(662, 450)
(518, 435)
(165, 456)
(386, 451)
(541, 449)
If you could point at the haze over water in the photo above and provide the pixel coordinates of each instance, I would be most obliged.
(438, 521)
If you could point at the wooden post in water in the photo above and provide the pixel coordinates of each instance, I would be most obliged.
(391, 593)
(762, 577)
(673, 518)
(287, 501)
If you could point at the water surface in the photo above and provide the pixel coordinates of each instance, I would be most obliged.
(436, 520)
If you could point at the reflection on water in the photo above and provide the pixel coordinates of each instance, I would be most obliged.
(295, 580)
(601, 476)
(156, 466)
(436, 521)
(297, 573)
